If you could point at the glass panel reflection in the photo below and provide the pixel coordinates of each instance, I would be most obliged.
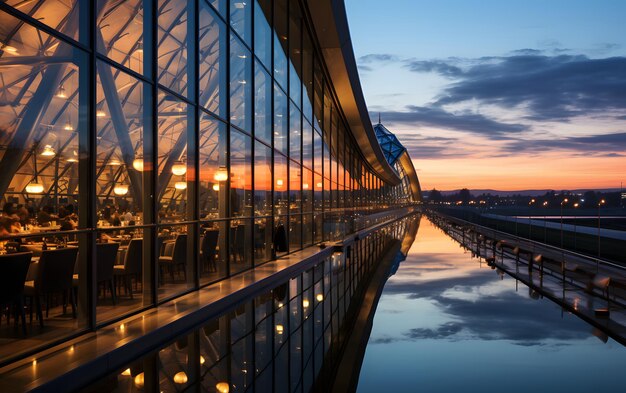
(280, 338)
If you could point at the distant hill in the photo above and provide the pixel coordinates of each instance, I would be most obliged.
(477, 192)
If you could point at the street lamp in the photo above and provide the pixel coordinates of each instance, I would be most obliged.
(575, 207)
(562, 203)
(602, 201)
(530, 223)
(545, 220)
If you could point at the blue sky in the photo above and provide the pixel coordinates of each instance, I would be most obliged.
(491, 93)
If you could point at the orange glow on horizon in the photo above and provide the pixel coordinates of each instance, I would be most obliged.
(550, 171)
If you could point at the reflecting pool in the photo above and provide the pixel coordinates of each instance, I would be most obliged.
(447, 323)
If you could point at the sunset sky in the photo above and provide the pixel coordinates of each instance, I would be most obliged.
(506, 95)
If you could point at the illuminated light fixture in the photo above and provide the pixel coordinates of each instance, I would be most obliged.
(115, 162)
(100, 113)
(202, 360)
(240, 5)
(280, 329)
(68, 127)
(216, 187)
(305, 303)
(180, 185)
(180, 378)
(34, 188)
(319, 297)
(319, 185)
(138, 164)
(243, 82)
(120, 189)
(61, 93)
(305, 186)
(179, 168)
(126, 372)
(72, 159)
(222, 387)
(279, 182)
(242, 56)
(48, 151)
(139, 381)
(8, 48)
(221, 174)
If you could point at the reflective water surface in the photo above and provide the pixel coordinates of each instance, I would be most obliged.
(447, 323)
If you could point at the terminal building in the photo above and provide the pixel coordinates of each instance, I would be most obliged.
(164, 160)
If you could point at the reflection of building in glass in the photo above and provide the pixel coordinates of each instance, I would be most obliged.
(165, 145)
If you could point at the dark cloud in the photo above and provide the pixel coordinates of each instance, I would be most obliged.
(606, 145)
(377, 58)
(552, 88)
(437, 117)
(527, 52)
(437, 66)
(504, 315)
(442, 331)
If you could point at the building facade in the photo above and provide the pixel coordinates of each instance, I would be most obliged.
(163, 146)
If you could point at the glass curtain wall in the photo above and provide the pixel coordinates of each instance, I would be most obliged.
(155, 146)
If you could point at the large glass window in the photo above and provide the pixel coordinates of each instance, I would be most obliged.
(212, 59)
(281, 182)
(174, 173)
(295, 132)
(307, 145)
(262, 104)
(295, 186)
(120, 137)
(240, 174)
(262, 180)
(317, 152)
(295, 52)
(60, 15)
(240, 84)
(281, 120)
(172, 45)
(44, 169)
(263, 32)
(307, 76)
(280, 42)
(117, 20)
(213, 190)
(241, 19)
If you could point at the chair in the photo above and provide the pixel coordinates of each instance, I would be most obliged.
(239, 241)
(14, 271)
(208, 249)
(55, 272)
(106, 253)
(131, 266)
(178, 257)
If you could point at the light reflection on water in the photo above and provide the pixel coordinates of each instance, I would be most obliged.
(445, 323)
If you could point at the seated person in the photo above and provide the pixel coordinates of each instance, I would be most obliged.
(9, 225)
(46, 214)
(68, 224)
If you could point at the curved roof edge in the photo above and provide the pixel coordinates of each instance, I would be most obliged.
(407, 164)
(331, 28)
